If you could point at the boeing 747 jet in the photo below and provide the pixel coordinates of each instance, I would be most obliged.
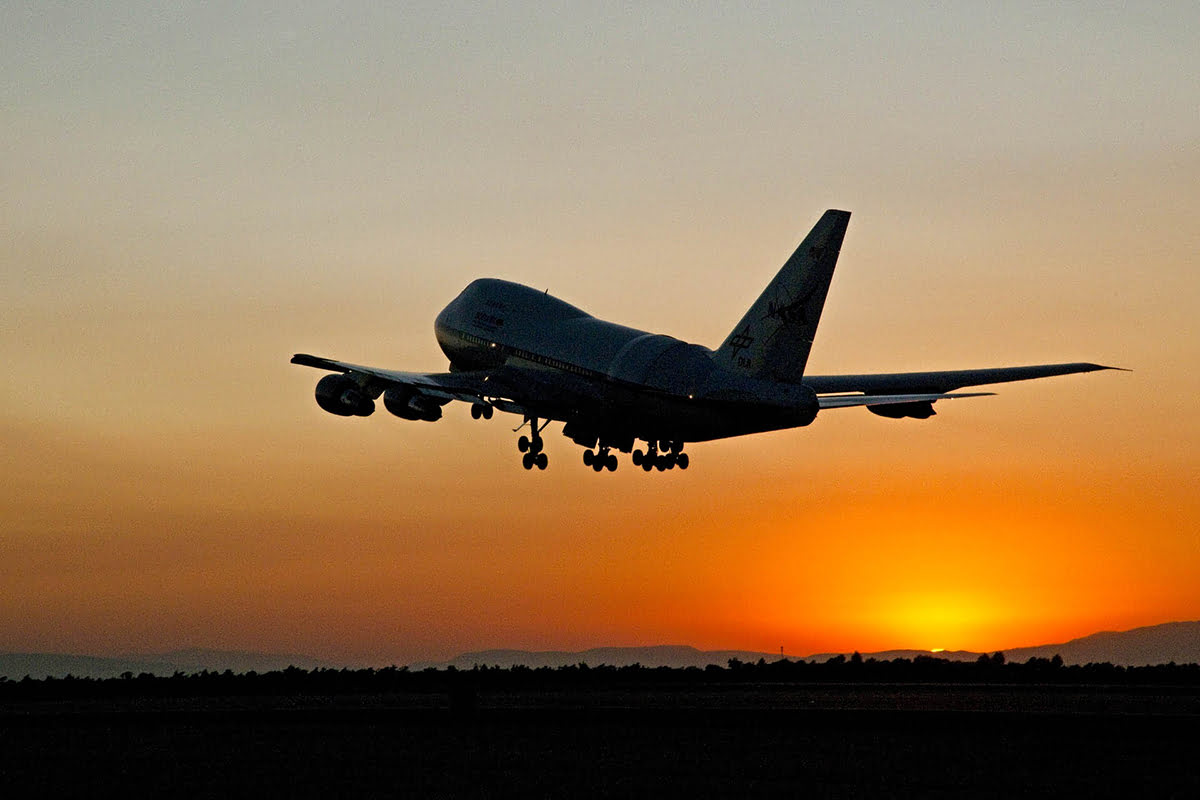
(524, 352)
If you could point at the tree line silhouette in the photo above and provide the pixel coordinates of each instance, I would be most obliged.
(987, 669)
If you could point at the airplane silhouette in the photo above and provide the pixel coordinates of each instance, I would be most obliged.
(527, 353)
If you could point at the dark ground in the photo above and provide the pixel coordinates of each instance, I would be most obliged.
(790, 740)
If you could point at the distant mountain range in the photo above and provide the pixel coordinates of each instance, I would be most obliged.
(666, 655)
(1154, 644)
(15, 666)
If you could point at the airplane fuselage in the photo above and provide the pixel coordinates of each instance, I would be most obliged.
(520, 351)
(626, 382)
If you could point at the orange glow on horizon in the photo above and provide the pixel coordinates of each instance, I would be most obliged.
(327, 557)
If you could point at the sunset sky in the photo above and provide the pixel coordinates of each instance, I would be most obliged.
(190, 193)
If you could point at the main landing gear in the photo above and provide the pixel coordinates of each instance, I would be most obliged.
(661, 454)
(532, 446)
(600, 460)
(671, 456)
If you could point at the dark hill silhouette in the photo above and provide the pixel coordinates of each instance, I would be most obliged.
(1153, 644)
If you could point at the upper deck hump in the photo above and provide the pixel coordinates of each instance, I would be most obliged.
(504, 295)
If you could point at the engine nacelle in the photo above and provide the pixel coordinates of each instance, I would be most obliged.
(918, 410)
(582, 436)
(407, 404)
(339, 394)
(807, 405)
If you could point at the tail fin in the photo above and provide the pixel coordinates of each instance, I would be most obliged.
(773, 340)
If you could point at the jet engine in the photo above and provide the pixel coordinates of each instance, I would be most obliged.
(808, 406)
(407, 404)
(580, 435)
(919, 410)
(339, 394)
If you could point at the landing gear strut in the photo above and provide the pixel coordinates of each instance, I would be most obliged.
(532, 446)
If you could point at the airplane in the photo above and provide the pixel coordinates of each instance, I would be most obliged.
(522, 351)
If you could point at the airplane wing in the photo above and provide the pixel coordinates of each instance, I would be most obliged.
(939, 382)
(466, 386)
(912, 394)
(851, 400)
(510, 389)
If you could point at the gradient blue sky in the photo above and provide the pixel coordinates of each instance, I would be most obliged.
(191, 193)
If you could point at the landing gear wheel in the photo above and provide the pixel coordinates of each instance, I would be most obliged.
(523, 445)
(647, 464)
(611, 463)
(588, 457)
(682, 458)
(637, 458)
(487, 412)
(541, 460)
(527, 460)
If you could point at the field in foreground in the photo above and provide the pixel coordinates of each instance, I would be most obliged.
(819, 740)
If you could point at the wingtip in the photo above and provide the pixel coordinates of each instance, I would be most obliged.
(305, 360)
(1087, 366)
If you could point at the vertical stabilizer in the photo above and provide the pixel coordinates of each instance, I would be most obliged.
(773, 340)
